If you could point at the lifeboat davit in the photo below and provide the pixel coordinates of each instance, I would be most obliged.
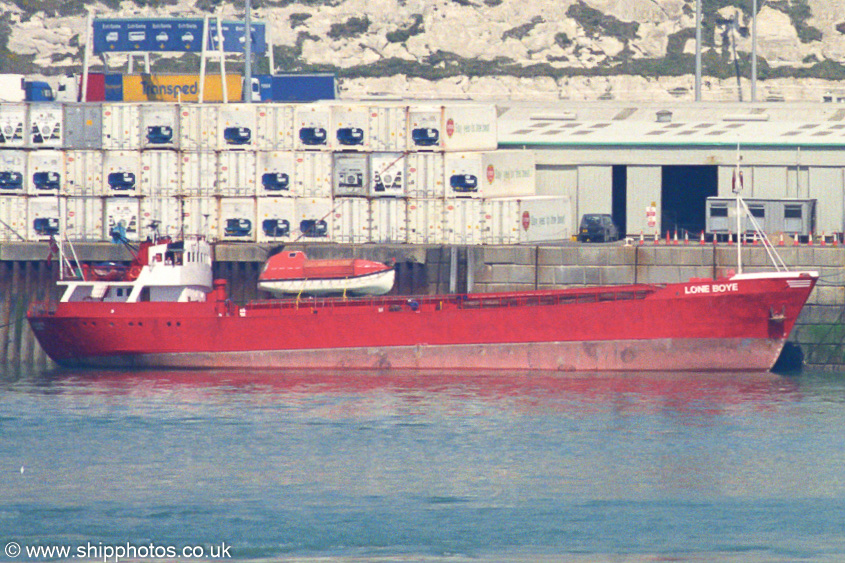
(292, 272)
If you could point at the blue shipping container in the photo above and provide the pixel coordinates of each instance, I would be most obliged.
(265, 87)
(303, 87)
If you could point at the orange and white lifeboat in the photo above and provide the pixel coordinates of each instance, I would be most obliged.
(292, 272)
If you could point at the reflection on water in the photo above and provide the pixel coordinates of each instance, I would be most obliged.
(719, 388)
(480, 465)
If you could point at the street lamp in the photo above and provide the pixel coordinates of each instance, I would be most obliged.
(698, 50)
(754, 51)
(248, 52)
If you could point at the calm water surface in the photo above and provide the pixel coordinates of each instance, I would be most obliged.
(407, 467)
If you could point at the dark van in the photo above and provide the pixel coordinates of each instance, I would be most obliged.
(597, 227)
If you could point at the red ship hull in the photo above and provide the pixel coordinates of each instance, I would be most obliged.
(730, 324)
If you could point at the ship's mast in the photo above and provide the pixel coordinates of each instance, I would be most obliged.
(737, 188)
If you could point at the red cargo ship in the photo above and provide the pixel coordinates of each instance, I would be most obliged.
(171, 315)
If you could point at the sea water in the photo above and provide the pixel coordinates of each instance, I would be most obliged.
(381, 466)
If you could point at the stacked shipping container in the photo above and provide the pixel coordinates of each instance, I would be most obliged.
(351, 172)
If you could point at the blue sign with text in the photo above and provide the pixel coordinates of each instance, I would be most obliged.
(150, 35)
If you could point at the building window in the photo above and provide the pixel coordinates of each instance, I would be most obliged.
(792, 212)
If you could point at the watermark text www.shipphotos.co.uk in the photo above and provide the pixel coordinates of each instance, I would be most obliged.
(115, 553)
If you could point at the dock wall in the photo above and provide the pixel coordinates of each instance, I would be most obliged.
(26, 276)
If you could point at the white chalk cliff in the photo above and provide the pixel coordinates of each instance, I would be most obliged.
(544, 49)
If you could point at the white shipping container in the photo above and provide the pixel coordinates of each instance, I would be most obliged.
(159, 173)
(12, 125)
(236, 126)
(121, 126)
(274, 173)
(276, 217)
(83, 126)
(237, 219)
(425, 173)
(125, 212)
(425, 127)
(13, 212)
(506, 173)
(274, 125)
(122, 173)
(312, 124)
(387, 174)
(388, 220)
(462, 221)
(84, 172)
(45, 125)
(470, 127)
(198, 127)
(42, 216)
(351, 174)
(198, 173)
(313, 174)
(313, 220)
(351, 220)
(165, 212)
(45, 172)
(159, 125)
(389, 127)
(236, 174)
(199, 216)
(12, 172)
(83, 217)
(503, 221)
(425, 221)
(454, 127)
(527, 220)
(350, 128)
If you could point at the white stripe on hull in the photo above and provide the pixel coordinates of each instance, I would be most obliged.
(746, 354)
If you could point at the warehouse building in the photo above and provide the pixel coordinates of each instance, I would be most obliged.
(624, 158)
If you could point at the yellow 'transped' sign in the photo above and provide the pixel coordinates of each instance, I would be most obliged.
(179, 87)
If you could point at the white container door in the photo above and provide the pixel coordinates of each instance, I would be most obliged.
(121, 126)
(350, 223)
(313, 174)
(159, 173)
(388, 220)
(425, 221)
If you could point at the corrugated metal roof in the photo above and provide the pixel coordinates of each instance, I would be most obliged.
(608, 123)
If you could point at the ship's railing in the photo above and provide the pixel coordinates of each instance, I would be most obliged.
(559, 299)
(464, 301)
